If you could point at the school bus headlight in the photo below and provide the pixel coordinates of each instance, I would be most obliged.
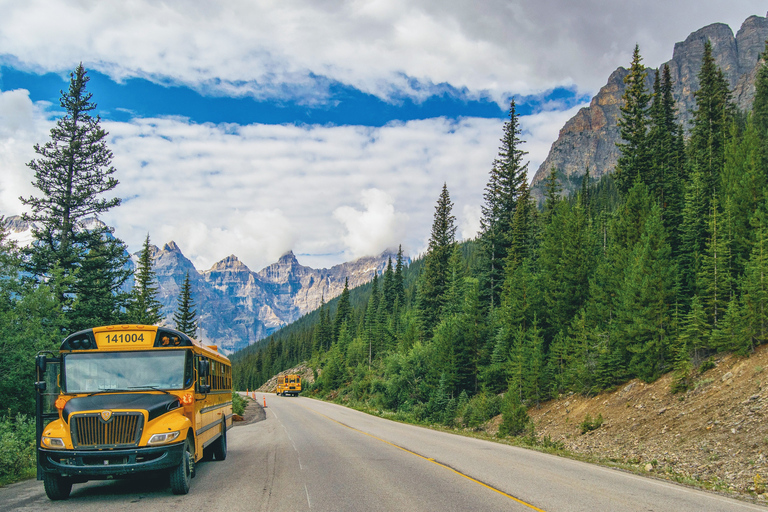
(53, 442)
(166, 437)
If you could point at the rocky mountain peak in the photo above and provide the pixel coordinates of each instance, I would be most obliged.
(230, 263)
(588, 140)
(171, 247)
(15, 224)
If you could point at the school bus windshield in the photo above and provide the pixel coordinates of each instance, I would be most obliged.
(127, 371)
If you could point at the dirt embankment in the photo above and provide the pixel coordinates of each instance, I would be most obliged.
(715, 434)
(253, 412)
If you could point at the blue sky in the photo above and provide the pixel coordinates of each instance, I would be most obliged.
(345, 105)
(253, 127)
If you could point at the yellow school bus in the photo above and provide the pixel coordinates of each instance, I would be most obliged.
(125, 399)
(288, 385)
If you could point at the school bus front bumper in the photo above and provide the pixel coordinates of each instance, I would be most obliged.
(101, 464)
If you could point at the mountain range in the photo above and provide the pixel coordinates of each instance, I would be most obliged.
(235, 305)
(588, 140)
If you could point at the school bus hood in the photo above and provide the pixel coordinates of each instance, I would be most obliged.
(155, 405)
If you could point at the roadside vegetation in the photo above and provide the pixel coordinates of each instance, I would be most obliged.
(238, 404)
(17, 448)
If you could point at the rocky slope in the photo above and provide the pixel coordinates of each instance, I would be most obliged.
(715, 435)
(588, 140)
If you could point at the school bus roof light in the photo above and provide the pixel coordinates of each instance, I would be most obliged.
(170, 338)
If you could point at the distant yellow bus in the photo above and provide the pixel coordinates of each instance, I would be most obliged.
(125, 399)
(288, 385)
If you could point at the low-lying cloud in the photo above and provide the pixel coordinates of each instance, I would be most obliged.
(329, 193)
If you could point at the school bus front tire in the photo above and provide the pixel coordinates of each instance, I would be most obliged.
(57, 487)
(181, 475)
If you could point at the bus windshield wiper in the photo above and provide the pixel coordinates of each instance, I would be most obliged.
(110, 390)
(154, 388)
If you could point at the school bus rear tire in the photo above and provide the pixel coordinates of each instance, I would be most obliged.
(220, 446)
(57, 487)
(181, 475)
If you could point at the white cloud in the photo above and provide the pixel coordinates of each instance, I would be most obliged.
(277, 49)
(328, 193)
(377, 226)
(258, 191)
(22, 124)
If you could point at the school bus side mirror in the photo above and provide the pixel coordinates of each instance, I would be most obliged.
(41, 363)
(40, 386)
(204, 368)
(205, 389)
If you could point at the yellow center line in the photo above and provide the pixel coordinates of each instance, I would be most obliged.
(432, 460)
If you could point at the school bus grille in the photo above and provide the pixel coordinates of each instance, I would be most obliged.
(91, 431)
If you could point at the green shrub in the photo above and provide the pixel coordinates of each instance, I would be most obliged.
(17, 448)
(238, 404)
(514, 416)
(707, 365)
(590, 424)
(481, 408)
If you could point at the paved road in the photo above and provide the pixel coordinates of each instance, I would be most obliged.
(310, 455)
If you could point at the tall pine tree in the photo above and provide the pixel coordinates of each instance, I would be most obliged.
(506, 182)
(143, 306)
(634, 162)
(185, 316)
(73, 171)
(433, 282)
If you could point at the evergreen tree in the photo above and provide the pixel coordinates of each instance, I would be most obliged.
(434, 279)
(371, 320)
(694, 233)
(398, 283)
(711, 123)
(754, 286)
(185, 316)
(667, 155)
(388, 286)
(31, 320)
(343, 311)
(760, 109)
(552, 191)
(730, 334)
(98, 287)
(644, 316)
(506, 182)
(72, 174)
(695, 332)
(323, 331)
(714, 277)
(143, 306)
(522, 230)
(634, 162)
(565, 260)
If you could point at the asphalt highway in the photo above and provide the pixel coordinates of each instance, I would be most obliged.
(310, 455)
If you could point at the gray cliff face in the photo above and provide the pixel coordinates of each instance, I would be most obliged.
(588, 140)
(237, 307)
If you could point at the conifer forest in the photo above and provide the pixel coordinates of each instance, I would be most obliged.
(651, 269)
